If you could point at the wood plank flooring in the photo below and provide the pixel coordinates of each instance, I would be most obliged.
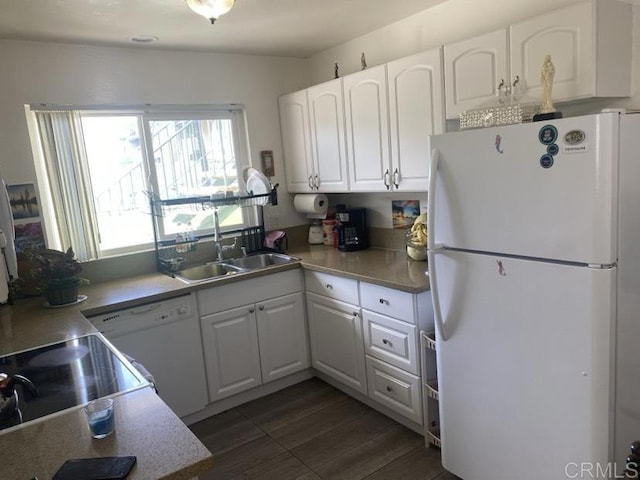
(313, 431)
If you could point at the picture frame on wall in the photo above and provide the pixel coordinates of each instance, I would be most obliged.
(23, 200)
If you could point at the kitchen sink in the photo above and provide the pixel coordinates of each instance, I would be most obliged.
(208, 271)
(260, 260)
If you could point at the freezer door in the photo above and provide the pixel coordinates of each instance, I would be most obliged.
(544, 189)
(524, 372)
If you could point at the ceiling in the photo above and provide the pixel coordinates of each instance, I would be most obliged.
(297, 28)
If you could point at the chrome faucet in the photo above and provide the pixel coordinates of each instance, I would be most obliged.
(217, 238)
(216, 235)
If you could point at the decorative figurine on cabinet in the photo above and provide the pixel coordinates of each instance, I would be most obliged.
(547, 110)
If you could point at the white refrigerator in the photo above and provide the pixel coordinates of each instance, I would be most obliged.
(534, 263)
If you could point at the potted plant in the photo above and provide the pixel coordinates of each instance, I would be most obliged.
(55, 273)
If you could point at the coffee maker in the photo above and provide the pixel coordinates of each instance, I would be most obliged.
(352, 229)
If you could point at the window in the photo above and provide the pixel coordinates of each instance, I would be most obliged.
(100, 167)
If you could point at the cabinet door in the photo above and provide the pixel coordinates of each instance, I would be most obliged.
(416, 110)
(567, 35)
(294, 124)
(473, 70)
(335, 334)
(231, 351)
(328, 148)
(367, 129)
(282, 335)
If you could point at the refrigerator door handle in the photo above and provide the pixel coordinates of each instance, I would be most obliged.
(432, 248)
(435, 297)
(431, 197)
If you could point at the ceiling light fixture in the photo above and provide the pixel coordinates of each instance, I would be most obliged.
(210, 9)
(144, 39)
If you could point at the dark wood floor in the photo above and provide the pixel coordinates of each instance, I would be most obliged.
(313, 431)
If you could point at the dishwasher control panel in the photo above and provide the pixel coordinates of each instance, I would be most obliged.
(145, 316)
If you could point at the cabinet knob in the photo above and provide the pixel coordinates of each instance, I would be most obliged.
(355, 314)
(389, 389)
(386, 342)
(261, 307)
(384, 301)
(251, 310)
(329, 286)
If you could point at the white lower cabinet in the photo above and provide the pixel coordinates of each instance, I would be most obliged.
(282, 336)
(366, 337)
(231, 352)
(394, 388)
(248, 344)
(392, 323)
(335, 333)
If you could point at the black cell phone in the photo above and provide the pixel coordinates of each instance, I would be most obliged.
(101, 468)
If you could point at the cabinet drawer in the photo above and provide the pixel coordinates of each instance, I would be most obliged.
(390, 340)
(339, 288)
(394, 388)
(387, 301)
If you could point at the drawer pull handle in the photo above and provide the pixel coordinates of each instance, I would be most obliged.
(329, 286)
(389, 389)
(384, 301)
(386, 342)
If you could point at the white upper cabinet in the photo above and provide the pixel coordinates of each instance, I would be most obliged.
(328, 148)
(294, 124)
(416, 110)
(590, 47)
(473, 70)
(365, 95)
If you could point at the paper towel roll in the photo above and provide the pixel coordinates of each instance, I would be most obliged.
(314, 205)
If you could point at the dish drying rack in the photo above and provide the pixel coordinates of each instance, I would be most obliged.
(173, 254)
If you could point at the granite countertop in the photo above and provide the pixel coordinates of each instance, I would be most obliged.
(145, 427)
(389, 268)
(29, 324)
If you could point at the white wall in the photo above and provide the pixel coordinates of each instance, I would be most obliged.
(34, 72)
(446, 22)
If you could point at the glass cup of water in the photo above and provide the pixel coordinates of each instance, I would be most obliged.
(100, 417)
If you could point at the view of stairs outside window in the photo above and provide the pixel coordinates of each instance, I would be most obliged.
(184, 158)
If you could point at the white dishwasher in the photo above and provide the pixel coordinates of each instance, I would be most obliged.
(165, 338)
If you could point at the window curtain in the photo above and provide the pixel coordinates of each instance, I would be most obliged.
(69, 184)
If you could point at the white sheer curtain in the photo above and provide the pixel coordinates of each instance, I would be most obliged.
(68, 181)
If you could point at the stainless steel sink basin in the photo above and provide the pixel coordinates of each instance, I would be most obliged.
(211, 271)
(260, 260)
(208, 271)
